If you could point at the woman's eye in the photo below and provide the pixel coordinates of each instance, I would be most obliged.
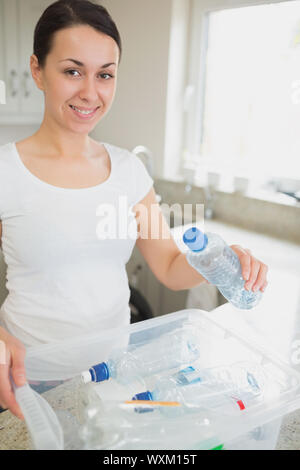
(105, 76)
(70, 72)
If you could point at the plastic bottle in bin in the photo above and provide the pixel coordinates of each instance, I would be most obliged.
(220, 265)
(194, 388)
(166, 352)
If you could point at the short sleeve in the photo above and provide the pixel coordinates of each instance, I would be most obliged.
(142, 181)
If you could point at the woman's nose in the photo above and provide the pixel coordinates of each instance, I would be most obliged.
(89, 90)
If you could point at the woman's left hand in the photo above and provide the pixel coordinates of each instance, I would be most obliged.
(253, 270)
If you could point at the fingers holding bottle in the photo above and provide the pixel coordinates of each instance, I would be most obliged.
(254, 271)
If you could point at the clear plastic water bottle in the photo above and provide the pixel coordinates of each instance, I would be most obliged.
(166, 352)
(219, 264)
(194, 388)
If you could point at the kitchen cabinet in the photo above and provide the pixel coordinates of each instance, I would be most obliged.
(141, 277)
(161, 299)
(24, 101)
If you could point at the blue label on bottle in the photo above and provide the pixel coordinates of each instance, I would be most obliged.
(188, 376)
(187, 370)
(252, 381)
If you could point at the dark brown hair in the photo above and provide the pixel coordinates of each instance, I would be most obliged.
(67, 13)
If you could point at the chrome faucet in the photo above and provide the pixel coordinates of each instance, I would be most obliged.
(142, 151)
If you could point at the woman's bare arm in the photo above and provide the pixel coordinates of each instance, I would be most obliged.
(166, 261)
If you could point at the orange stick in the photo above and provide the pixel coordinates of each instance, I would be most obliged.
(152, 403)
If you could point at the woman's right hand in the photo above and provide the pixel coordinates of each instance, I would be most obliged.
(11, 364)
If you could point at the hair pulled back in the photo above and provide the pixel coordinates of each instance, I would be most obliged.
(68, 13)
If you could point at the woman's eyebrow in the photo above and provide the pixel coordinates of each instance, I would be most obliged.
(80, 64)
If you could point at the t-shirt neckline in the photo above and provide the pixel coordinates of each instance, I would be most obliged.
(60, 188)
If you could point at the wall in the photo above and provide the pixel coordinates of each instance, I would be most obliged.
(15, 133)
(138, 114)
(276, 219)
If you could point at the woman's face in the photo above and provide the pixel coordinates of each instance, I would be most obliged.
(87, 82)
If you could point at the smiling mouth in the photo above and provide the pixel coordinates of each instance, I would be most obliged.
(84, 112)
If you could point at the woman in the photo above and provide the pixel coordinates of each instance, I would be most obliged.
(63, 278)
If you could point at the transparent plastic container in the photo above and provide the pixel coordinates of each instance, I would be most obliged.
(61, 412)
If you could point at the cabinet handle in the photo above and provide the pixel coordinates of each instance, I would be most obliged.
(26, 88)
(13, 83)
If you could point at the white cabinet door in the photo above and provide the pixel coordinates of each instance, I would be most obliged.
(24, 101)
(32, 99)
(9, 71)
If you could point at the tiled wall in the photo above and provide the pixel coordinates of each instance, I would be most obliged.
(281, 220)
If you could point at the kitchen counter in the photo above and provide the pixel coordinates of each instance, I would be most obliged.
(13, 433)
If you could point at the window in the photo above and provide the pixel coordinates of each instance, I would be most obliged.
(244, 119)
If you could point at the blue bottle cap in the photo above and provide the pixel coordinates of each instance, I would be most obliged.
(143, 396)
(99, 372)
(195, 239)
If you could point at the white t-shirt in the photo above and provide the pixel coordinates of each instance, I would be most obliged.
(66, 249)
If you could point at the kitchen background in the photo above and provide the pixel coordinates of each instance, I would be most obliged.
(165, 103)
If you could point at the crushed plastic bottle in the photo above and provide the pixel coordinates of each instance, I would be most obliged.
(220, 265)
(195, 389)
(166, 352)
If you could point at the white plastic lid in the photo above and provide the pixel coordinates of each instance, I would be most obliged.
(86, 377)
